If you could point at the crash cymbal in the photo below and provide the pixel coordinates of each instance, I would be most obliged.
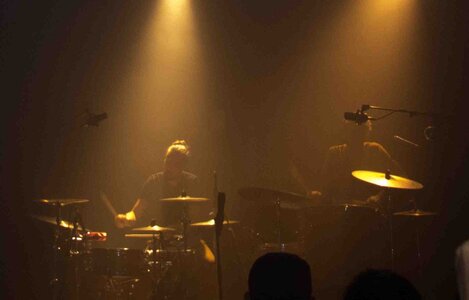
(287, 200)
(61, 202)
(415, 213)
(211, 222)
(185, 199)
(52, 221)
(154, 228)
(387, 180)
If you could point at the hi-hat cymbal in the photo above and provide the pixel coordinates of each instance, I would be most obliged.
(387, 180)
(62, 202)
(154, 228)
(286, 200)
(211, 222)
(52, 221)
(185, 199)
(415, 213)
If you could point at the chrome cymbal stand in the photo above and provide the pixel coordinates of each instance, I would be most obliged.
(56, 281)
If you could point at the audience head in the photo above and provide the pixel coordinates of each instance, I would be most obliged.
(280, 276)
(380, 285)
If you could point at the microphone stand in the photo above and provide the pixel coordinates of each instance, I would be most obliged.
(411, 113)
(218, 229)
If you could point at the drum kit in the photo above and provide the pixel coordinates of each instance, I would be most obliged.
(164, 263)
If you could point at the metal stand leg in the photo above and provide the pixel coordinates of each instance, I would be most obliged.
(391, 231)
(55, 282)
(281, 247)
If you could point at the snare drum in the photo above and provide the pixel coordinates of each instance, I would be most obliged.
(118, 262)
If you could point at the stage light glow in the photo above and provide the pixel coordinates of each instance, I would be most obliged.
(166, 81)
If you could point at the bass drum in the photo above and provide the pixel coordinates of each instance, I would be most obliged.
(118, 262)
(340, 241)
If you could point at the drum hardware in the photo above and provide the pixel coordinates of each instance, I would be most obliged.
(185, 200)
(211, 222)
(280, 200)
(153, 228)
(52, 221)
(388, 181)
(56, 282)
(61, 202)
(416, 214)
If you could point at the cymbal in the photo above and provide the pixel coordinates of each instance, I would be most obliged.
(52, 221)
(360, 205)
(211, 222)
(139, 235)
(62, 202)
(287, 200)
(415, 213)
(185, 199)
(154, 228)
(387, 180)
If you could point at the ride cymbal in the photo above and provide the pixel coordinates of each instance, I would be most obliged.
(387, 180)
(415, 213)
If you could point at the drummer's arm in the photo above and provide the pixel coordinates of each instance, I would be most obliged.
(130, 218)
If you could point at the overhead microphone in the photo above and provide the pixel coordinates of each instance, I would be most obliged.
(94, 119)
(358, 117)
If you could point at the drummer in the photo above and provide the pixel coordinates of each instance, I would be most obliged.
(357, 153)
(173, 181)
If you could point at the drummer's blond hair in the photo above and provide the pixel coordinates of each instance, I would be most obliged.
(180, 147)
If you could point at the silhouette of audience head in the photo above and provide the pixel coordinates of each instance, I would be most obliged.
(380, 285)
(279, 276)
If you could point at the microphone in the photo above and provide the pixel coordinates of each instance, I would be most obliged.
(358, 117)
(94, 119)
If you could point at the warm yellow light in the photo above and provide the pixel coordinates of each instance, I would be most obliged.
(388, 6)
(175, 7)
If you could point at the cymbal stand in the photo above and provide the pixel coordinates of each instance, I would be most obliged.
(155, 281)
(55, 282)
(417, 242)
(279, 224)
(389, 215)
(218, 229)
(391, 229)
(185, 221)
(74, 248)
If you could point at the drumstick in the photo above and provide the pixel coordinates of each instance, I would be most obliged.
(108, 204)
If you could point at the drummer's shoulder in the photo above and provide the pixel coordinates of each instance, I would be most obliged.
(337, 148)
(189, 176)
(374, 146)
(155, 176)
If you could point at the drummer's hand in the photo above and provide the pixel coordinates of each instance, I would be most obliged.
(375, 202)
(314, 194)
(125, 220)
(375, 199)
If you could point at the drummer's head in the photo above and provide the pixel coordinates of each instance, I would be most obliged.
(176, 157)
(354, 134)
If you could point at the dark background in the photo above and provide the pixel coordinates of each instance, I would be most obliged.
(258, 88)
